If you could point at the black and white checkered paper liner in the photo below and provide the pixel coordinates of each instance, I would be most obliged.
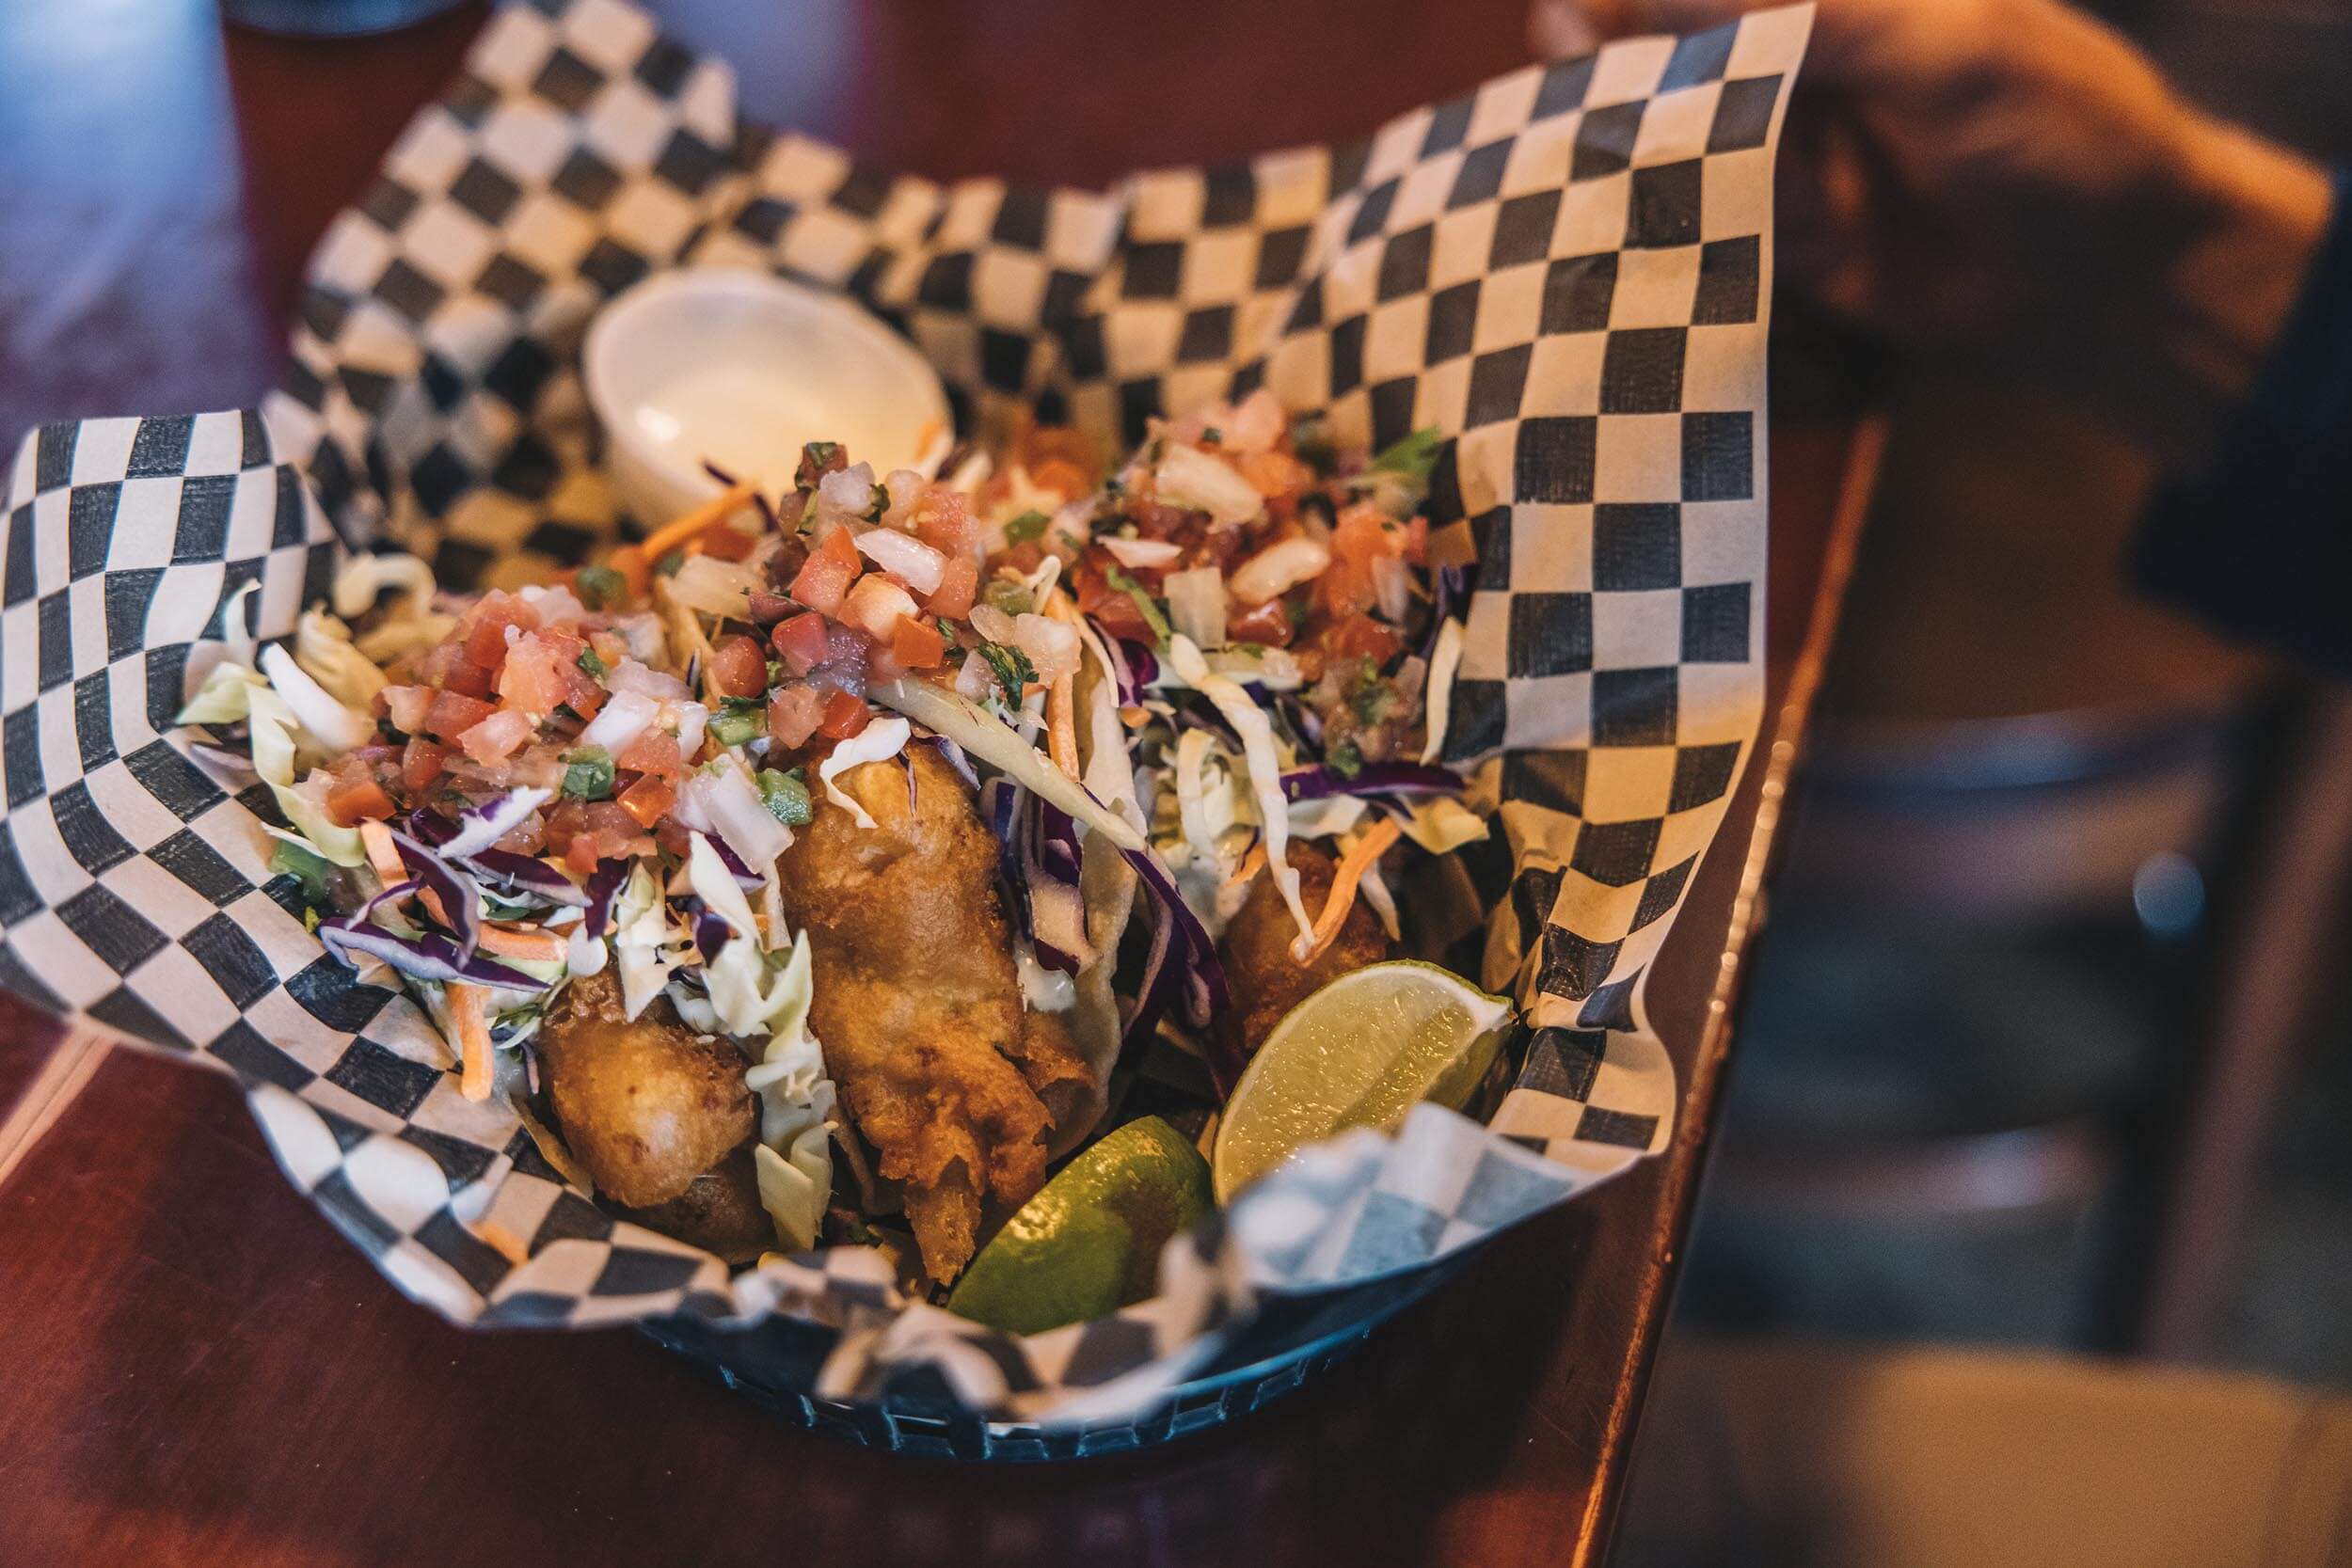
(1566, 271)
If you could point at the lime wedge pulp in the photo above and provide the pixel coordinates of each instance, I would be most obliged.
(1360, 1052)
(1089, 1242)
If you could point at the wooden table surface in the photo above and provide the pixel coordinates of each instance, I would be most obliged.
(198, 1371)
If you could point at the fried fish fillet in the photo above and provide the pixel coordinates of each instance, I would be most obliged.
(1266, 982)
(917, 1001)
(658, 1114)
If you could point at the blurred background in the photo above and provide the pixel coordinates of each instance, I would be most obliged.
(2048, 1041)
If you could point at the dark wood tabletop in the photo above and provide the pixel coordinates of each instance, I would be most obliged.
(200, 1372)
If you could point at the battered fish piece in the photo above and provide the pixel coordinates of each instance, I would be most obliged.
(719, 1212)
(917, 1002)
(1266, 981)
(647, 1106)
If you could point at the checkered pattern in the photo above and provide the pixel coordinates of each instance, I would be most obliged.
(1566, 272)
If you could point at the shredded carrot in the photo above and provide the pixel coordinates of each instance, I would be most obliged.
(376, 839)
(467, 1009)
(503, 1242)
(676, 533)
(521, 944)
(634, 568)
(1061, 727)
(1252, 863)
(1345, 882)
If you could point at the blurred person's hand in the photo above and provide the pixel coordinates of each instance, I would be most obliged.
(2011, 180)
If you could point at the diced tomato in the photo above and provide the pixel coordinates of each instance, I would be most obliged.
(532, 680)
(484, 625)
(768, 608)
(1267, 624)
(1025, 557)
(584, 833)
(1062, 476)
(952, 599)
(453, 714)
(793, 714)
(1362, 636)
(649, 798)
(420, 763)
(655, 752)
(1363, 535)
(845, 716)
(739, 666)
(468, 678)
(674, 838)
(917, 645)
(726, 542)
(1273, 473)
(496, 738)
(528, 836)
(407, 706)
(944, 520)
(801, 642)
(1417, 540)
(351, 803)
(824, 581)
(1113, 609)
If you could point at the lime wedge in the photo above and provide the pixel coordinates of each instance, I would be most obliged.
(1089, 1242)
(1360, 1052)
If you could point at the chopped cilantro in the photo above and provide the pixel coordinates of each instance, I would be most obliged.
(1213, 437)
(305, 866)
(775, 670)
(1013, 669)
(1346, 759)
(593, 665)
(669, 563)
(786, 795)
(1145, 605)
(1414, 456)
(600, 587)
(1028, 526)
(882, 500)
(1371, 700)
(588, 773)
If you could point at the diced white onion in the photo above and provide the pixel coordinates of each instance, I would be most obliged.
(1190, 478)
(1051, 646)
(630, 676)
(621, 719)
(713, 586)
(1141, 552)
(991, 623)
(978, 677)
(921, 566)
(737, 814)
(557, 604)
(1392, 585)
(1196, 605)
(875, 606)
(844, 494)
(1281, 565)
(906, 487)
(691, 720)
